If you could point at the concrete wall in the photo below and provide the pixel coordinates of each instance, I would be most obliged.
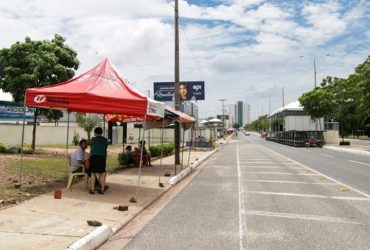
(331, 137)
(48, 134)
(12, 134)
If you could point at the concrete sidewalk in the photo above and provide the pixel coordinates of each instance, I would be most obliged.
(48, 223)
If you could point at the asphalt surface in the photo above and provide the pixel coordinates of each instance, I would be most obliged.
(347, 167)
(249, 197)
(203, 216)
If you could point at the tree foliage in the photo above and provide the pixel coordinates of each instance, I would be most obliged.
(88, 122)
(31, 64)
(344, 100)
(260, 125)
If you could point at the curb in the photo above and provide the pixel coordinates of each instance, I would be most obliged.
(93, 239)
(97, 237)
(349, 150)
(175, 179)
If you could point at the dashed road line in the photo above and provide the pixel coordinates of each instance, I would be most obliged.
(327, 177)
(327, 155)
(311, 196)
(293, 182)
(359, 162)
(280, 173)
(304, 217)
(271, 167)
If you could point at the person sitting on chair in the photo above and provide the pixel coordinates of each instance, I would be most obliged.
(129, 155)
(146, 154)
(78, 158)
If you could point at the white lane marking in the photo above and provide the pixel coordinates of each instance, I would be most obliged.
(259, 159)
(304, 217)
(242, 222)
(257, 162)
(282, 173)
(270, 167)
(311, 196)
(327, 177)
(359, 162)
(327, 155)
(292, 182)
(267, 162)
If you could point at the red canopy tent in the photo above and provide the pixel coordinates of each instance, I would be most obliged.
(99, 90)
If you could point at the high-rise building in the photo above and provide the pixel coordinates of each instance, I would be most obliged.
(232, 115)
(239, 113)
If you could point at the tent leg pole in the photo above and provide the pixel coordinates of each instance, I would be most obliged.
(68, 113)
(21, 169)
(140, 164)
(160, 163)
(182, 150)
(192, 141)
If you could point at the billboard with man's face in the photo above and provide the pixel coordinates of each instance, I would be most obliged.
(188, 91)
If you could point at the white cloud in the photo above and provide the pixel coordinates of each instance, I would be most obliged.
(244, 50)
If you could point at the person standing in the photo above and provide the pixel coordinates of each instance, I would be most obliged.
(98, 159)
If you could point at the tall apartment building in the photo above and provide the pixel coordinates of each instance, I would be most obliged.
(239, 113)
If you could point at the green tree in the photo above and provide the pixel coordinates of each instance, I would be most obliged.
(88, 123)
(31, 64)
(318, 102)
(52, 115)
(347, 101)
(363, 73)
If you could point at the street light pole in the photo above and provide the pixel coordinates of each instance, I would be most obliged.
(223, 112)
(314, 71)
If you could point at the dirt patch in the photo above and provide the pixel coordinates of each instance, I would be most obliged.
(32, 184)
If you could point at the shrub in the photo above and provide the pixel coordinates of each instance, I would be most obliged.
(13, 150)
(122, 159)
(76, 138)
(2, 148)
(167, 149)
(27, 150)
(344, 143)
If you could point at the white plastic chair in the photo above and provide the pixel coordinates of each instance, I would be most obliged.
(72, 175)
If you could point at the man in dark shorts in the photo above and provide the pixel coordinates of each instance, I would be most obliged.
(98, 157)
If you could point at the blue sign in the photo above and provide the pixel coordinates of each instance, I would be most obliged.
(188, 91)
(11, 111)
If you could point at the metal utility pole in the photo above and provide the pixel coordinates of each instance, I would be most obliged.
(314, 71)
(177, 85)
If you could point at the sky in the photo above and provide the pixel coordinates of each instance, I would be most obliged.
(244, 50)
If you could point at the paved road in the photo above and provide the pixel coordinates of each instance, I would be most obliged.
(247, 197)
(349, 168)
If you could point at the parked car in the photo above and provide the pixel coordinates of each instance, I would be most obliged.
(247, 133)
(314, 142)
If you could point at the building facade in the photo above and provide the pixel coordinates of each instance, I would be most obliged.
(239, 113)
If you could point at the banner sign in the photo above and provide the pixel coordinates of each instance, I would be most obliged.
(11, 111)
(189, 91)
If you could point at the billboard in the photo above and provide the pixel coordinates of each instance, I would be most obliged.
(10, 111)
(188, 91)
